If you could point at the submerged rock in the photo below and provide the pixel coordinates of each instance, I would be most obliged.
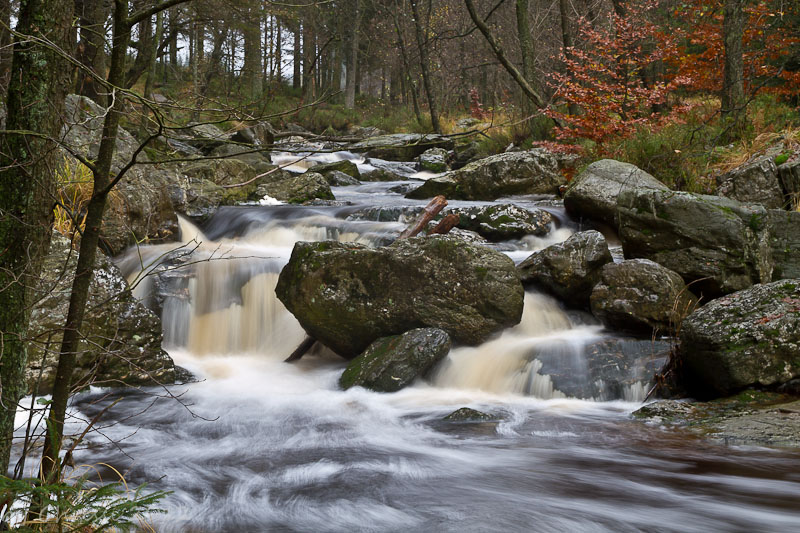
(121, 338)
(613, 368)
(640, 295)
(755, 182)
(503, 221)
(465, 414)
(594, 192)
(392, 363)
(748, 338)
(347, 295)
(531, 172)
(751, 418)
(570, 269)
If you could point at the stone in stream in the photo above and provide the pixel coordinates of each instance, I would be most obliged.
(613, 368)
(401, 146)
(346, 166)
(336, 178)
(392, 363)
(298, 189)
(640, 295)
(503, 221)
(121, 343)
(466, 414)
(748, 338)
(347, 295)
(594, 192)
(434, 160)
(568, 270)
(531, 172)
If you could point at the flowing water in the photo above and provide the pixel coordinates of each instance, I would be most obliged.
(260, 445)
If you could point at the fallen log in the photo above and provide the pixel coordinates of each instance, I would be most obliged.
(301, 350)
(444, 226)
(431, 210)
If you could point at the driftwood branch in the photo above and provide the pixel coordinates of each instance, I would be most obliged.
(444, 226)
(430, 211)
(301, 350)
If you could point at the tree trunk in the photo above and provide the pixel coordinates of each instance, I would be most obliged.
(278, 52)
(37, 87)
(5, 44)
(566, 41)
(425, 67)
(309, 59)
(352, 58)
(251, 70)
(429, 213)
(144, 52)
(297, 58)
(92, 17)
(733, 79)
(151, 71)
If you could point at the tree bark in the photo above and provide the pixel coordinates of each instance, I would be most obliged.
(297, 59)
(352, 59)
(425, 67)
(5, 44)
(251, 70)
(733, 78)
(309, 59)
(566, 40)
(92, 17)
(37, 87)
(431, 210)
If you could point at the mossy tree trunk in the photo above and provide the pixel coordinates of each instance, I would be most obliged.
(35, 103)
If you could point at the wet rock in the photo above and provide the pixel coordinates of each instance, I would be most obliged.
(204, 137)
(594, 192)
(755, 182)
(434, 160)
(640, 295)
(396, 213)
(531, 172)
(261, 134)
(719, 244)
(382, 174)
(345, 166)
(570, 269)
(503, 221)
(465, 414)
(121, 338)
(392, 363)
(347, 295)
(298, 189)
(140, 207)
(751, 418)
(618, 368)
(403, 188)
(748, 338)
(339, 179)
(401, 146)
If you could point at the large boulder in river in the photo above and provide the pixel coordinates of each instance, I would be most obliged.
(434, 160)
(344, 165)
(531, 172)
(499, 222)
(347, 295)
(594, 192)
(298, 189)
(719, 244)
(391, 363)
(748, 338)
(570, 269)
(640, 295)
(401, 146)
(755, 182)
(121, 338)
